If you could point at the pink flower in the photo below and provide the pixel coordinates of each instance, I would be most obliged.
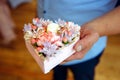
(33, 41)
(47, 37)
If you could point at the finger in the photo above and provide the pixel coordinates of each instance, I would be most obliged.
(81, 44)
(86, 41)
(63, 62)
(78, 55)
(75, 56)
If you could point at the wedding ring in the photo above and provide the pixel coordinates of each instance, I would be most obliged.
(79, 48)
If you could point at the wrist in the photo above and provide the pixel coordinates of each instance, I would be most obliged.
(95, 27)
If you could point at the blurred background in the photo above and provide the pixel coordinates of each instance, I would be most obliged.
(17, 64)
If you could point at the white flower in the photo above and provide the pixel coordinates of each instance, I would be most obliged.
(28, 35)
(53, 27)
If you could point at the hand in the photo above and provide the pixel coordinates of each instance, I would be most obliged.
(3, 1)
(87, 38)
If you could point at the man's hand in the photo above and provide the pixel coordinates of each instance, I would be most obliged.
(87, 39)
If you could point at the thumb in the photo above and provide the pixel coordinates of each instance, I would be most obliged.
(81, 44)
(87, 40)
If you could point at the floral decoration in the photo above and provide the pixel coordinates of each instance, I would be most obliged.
(47, 36)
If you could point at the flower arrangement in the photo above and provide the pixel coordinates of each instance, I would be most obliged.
(47, 37)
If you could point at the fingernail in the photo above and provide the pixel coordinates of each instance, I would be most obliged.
(79, 48)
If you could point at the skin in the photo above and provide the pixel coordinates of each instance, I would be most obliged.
(108, 24)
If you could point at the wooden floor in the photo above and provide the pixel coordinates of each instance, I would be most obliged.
(18, 64)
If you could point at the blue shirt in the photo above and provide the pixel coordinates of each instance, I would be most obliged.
(80, 12)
